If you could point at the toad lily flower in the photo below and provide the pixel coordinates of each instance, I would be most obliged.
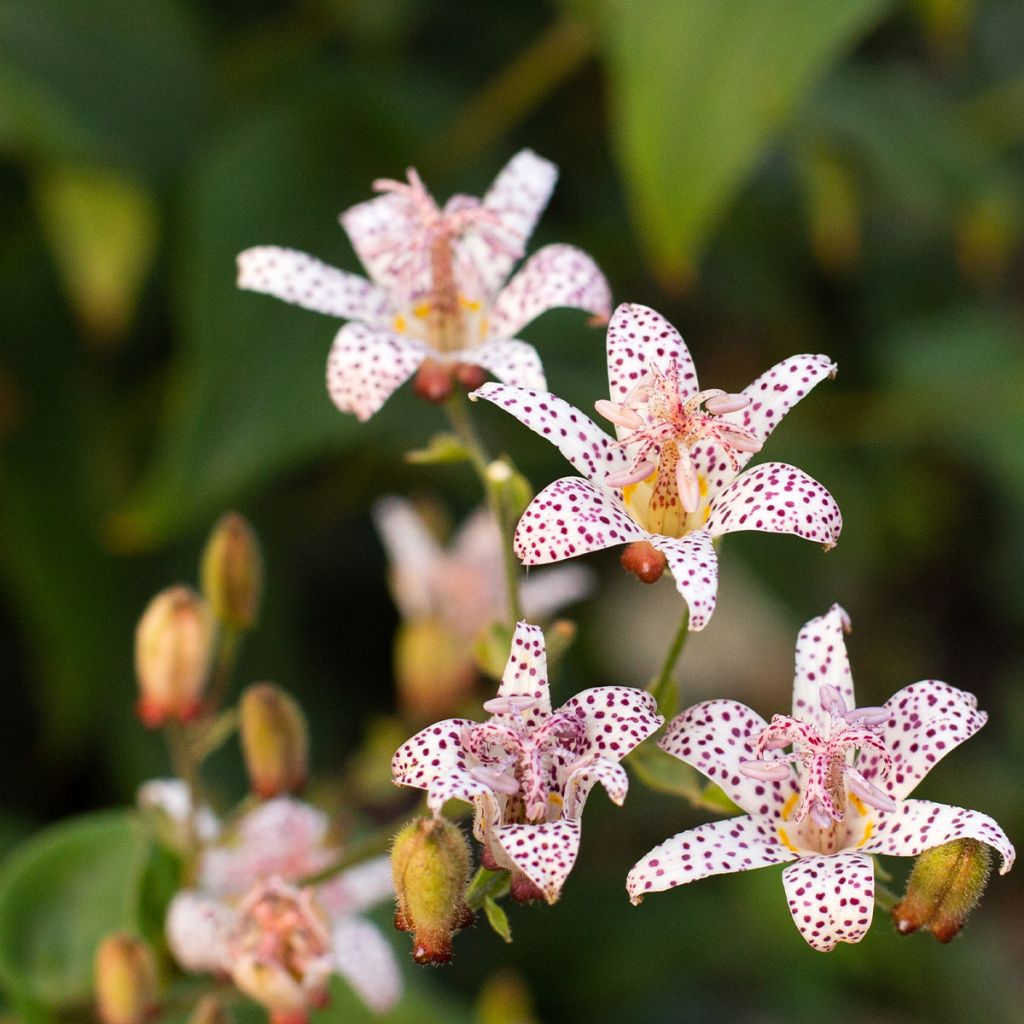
(246, 917)
(437, 285)
(528, 770)
(839, 796)
(672, 474)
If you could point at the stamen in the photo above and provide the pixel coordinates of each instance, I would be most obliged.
(503, 705)
(766, 771)
(620, 415)
(832, 700)
(868, 717)
(498, 781)
(869, 794)
(687, 482)
(722, 404)
(640, 471)
(819, 817)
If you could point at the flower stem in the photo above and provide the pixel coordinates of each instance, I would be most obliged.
(487, 883)
(371, 846)
(458, 417)
(663, 686)
(224, 667)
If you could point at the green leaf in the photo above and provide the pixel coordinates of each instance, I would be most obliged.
(491, 649)
(497, 918)
(698, 90)
(60, 893)
(443, 448)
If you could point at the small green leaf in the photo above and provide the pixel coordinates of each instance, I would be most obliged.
(443, 448)
(497, 918)
(60, 893)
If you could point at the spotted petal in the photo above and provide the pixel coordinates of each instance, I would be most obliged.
(434, 760)
(357, 888)
(544, 592)
(776, 498)
(510, 360)
(694, 565)
(714, 737)
(581, 780)
(366, 366)
(545, 853)
(382, 231)
(198, 928)
(526, 674)
(928, 720)
(638, 338)
(304, 281)
(617, 719)
(554, 277)
(831, 898)
(821, 660)
(413, 552)
(714, 848)
(918, 825)
(574, 433)
(365, 959)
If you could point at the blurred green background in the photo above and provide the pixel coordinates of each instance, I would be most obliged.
(775, 176)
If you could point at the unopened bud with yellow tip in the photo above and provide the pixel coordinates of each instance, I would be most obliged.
(173, 647)
(275, 741)
(232, 572)
(430, 868)
(126, 980)
(944, 887)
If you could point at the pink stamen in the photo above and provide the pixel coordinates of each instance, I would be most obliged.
(498, 781)
(766, 771)
(639, 471)
(503, 705)
(723, 404)
(620, 415)
(869, 794)
(687, 482)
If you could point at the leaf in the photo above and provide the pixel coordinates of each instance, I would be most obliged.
(497, 918)
(60, 893)
(698, 90)
(491, 649)
(443, 448)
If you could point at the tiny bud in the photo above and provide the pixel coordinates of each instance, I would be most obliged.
(126, 981)
(513, 488)
(644, 561)
(433, 382)
(433, 669)
(232, 572)
(469, 376)
(210, 1010)
(173, 646)
(945, 885)
(430, 867)
(274, 740)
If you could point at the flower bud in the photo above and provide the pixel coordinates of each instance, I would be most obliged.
(644, 560)
(433, 381)
(173, 647)
(433, 669)
(469, 376)
(126, 981)
(232, 572)
(274, 740)
(210, 1010)
(513, 488)
(944, 887)
(430, 867)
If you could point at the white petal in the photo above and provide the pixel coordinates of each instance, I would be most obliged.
(512, 361)
(832, 899)
(413, 552)
(548, 590)
(357, 888)
(365, 959)
(581, 781)
(526, 674)
(545, 853)
(639, 338)
(616, 718)
(197, 930)
(821, 660)
(694, 565)
(384, 232)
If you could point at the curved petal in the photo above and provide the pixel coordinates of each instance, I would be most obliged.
(575, 434)
(638, 338)
(358, 888)
(298, 278)
(694, 565)
(571, 517)
(774, 393)
(832, 898)
(383, 231)
(557, 276)
(526, 675)
(617, 719)
(544, 592)
(918, 825)
(365, 959)
(776, 498)
(545, 853)
(413, 552)
(821, 660)
(510, 360)
(928, 719)
(197, 929)
(435, 760)
(714, 737)
(366, 366)
(715, 848)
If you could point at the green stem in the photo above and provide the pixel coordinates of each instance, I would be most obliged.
(663, 686)
(487, 883)
(224, 667)
(186, 767)
(458, 417)
(373, 845)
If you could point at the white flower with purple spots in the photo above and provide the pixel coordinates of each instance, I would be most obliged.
(672, 474)
(836, 798)
(436, 287)
(528, 770)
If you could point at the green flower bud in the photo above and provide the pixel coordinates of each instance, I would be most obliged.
(232, 572)
(274, 740)
(126, 980)
(430, 866)
(173, 647)
(944, 887)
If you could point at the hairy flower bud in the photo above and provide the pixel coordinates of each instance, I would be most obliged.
(430, 866)
(274, 740)
(944, 887)
(126, 981)
(644, 561)
(232, 572)
(173, 647)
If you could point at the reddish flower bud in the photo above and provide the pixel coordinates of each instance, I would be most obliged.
(433, 381)
(274, 741)
(644, 560)
(944, 887)
(173, 647)
(232, 572)
(126, 980)
(430, 866)
(469, 376)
